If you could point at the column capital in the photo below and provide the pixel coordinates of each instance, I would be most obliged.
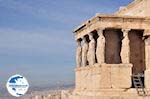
(83, 38)
(90, 36)
(100, 30)
(90, 33)
(125, 30)
(79, 40)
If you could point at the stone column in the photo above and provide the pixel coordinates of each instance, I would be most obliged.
(147, 61)
(78, 53)
(91, 50)
(125, 50)
(84, 51)
(100, 50)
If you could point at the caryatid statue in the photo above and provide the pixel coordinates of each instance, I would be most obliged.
(147, 53)
(78, 53)
(100, 50)
(125, 50)
(84, 51)
(91, 51)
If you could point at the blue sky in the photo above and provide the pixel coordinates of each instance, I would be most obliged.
(36, 38)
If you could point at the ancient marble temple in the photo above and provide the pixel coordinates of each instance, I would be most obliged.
(113, 54)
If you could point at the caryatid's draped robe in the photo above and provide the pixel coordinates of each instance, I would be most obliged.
(100, 50)
(147, 53)
(78, 54)
(84, 52)
(91, 51)
(125, 51)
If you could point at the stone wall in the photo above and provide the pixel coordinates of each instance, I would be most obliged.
(103, 76)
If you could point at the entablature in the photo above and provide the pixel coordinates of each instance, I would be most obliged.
(112, 21)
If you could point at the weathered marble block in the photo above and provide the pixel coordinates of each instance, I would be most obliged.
(147, 79)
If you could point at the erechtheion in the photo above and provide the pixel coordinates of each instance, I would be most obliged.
(113, 54)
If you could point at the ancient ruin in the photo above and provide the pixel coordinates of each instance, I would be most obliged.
(113, 54)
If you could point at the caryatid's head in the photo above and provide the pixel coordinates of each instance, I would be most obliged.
(84, 39)
(78, 42)
(100, 32)
(91, 36)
